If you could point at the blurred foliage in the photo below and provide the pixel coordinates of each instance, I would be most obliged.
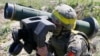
(4, 30)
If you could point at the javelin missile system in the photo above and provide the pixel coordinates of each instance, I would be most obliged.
(16, 12)
(33, 20)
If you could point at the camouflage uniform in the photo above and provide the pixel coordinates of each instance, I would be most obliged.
(63, 41)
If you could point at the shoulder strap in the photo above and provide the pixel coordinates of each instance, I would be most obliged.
(86, 38)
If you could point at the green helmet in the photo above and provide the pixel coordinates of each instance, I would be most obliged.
(66, 15)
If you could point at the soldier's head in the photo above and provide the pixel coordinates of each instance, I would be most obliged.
(64, 15)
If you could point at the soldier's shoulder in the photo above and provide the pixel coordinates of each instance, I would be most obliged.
(75, 32)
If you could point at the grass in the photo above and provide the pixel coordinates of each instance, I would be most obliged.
(4, 30)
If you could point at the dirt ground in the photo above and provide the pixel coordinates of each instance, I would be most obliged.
(5, 45)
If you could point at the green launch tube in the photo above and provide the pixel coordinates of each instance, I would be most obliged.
(88, 25)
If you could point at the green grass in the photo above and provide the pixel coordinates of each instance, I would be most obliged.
(4, 30)
(97, 3)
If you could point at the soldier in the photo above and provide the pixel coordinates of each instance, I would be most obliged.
(65, 41)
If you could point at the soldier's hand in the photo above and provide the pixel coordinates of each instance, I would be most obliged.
(42, 51)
